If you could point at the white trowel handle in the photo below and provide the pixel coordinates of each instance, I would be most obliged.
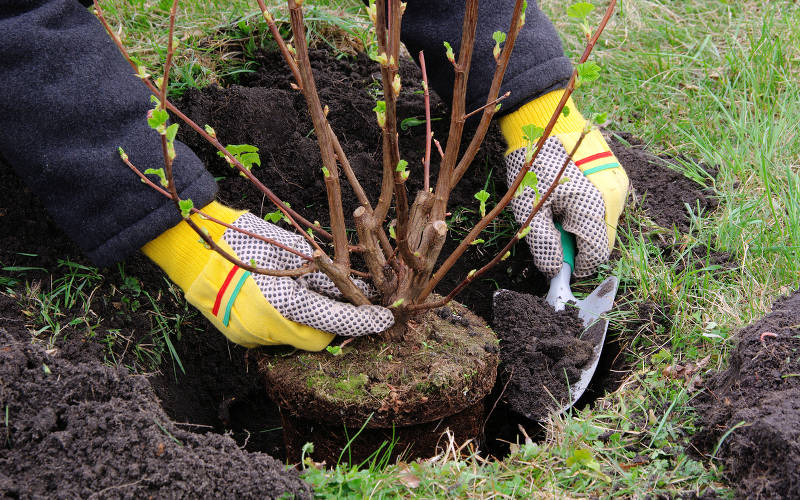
(560, 292)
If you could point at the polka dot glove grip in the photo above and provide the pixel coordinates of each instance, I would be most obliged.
(309, 299)
(577, 204)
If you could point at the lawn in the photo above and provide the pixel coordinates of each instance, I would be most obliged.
(714, 84)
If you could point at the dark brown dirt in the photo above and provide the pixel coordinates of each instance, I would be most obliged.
(73, 429)
(760, 395)
(540, 352)
(663, 192)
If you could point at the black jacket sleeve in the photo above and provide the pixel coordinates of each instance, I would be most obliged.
(537, 65)
(68, 100)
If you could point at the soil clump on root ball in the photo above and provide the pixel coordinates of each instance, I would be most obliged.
(753, 407)
(444, 367)
(540, 351)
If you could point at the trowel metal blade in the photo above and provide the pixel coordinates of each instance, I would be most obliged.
(595, 327)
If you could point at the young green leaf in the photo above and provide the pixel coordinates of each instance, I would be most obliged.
(580, 10)
(380, 113)
(600, 118)
(529, 181)
(246, 154)
(397, 303)
(414, 121)
(588, 72)
(531, 132)
(449, 53)
(156, 118)
(522, 233)
(186, 207)
(498, 37)
(210, 131)
(160, 173)
(565, 111)
(482, 196)
(172, 131)
(274, 217)
(336, 350)
(477, 241)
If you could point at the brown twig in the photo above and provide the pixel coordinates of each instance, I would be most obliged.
(494, 90)
(257, 236)
(491, 103)
(276, 35)
(426, 162)
(322, 130)
(457, 111)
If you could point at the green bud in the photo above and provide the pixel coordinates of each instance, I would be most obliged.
(186, 207)
(449, 52)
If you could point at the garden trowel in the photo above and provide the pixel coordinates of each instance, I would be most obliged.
(590, 311)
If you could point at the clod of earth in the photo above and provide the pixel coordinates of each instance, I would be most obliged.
(541, 353)
(757, 399)
(74, 429)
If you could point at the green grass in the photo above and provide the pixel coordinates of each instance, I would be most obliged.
(713, 82)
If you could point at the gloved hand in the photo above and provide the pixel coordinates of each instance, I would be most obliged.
(588, 205)
(254, 310)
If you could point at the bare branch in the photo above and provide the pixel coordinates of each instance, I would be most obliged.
(457, 112)
(497, 81)
(287, 56)
(292, 216)
(340, 276)
(257, 236)
(322, 129)
(491, 103)
(426, 162)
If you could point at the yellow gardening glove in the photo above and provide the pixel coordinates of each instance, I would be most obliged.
(588, 206)
(253, 310)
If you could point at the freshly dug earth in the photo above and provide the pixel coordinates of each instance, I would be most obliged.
(447, 364)
(540, 351)
(759, 396)
(75, 429)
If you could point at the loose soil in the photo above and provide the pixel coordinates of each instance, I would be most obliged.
(73, 429)
(759, 396)
(541, 352)
(219, 390)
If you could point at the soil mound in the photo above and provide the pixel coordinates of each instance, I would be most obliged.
(663, 192)
(759, 396)
(541, 355)
(72, 430)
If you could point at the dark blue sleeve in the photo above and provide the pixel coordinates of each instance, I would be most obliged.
(68, 100)
(537, 65)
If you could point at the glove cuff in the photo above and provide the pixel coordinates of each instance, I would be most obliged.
(538, 112)
(179, 250)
